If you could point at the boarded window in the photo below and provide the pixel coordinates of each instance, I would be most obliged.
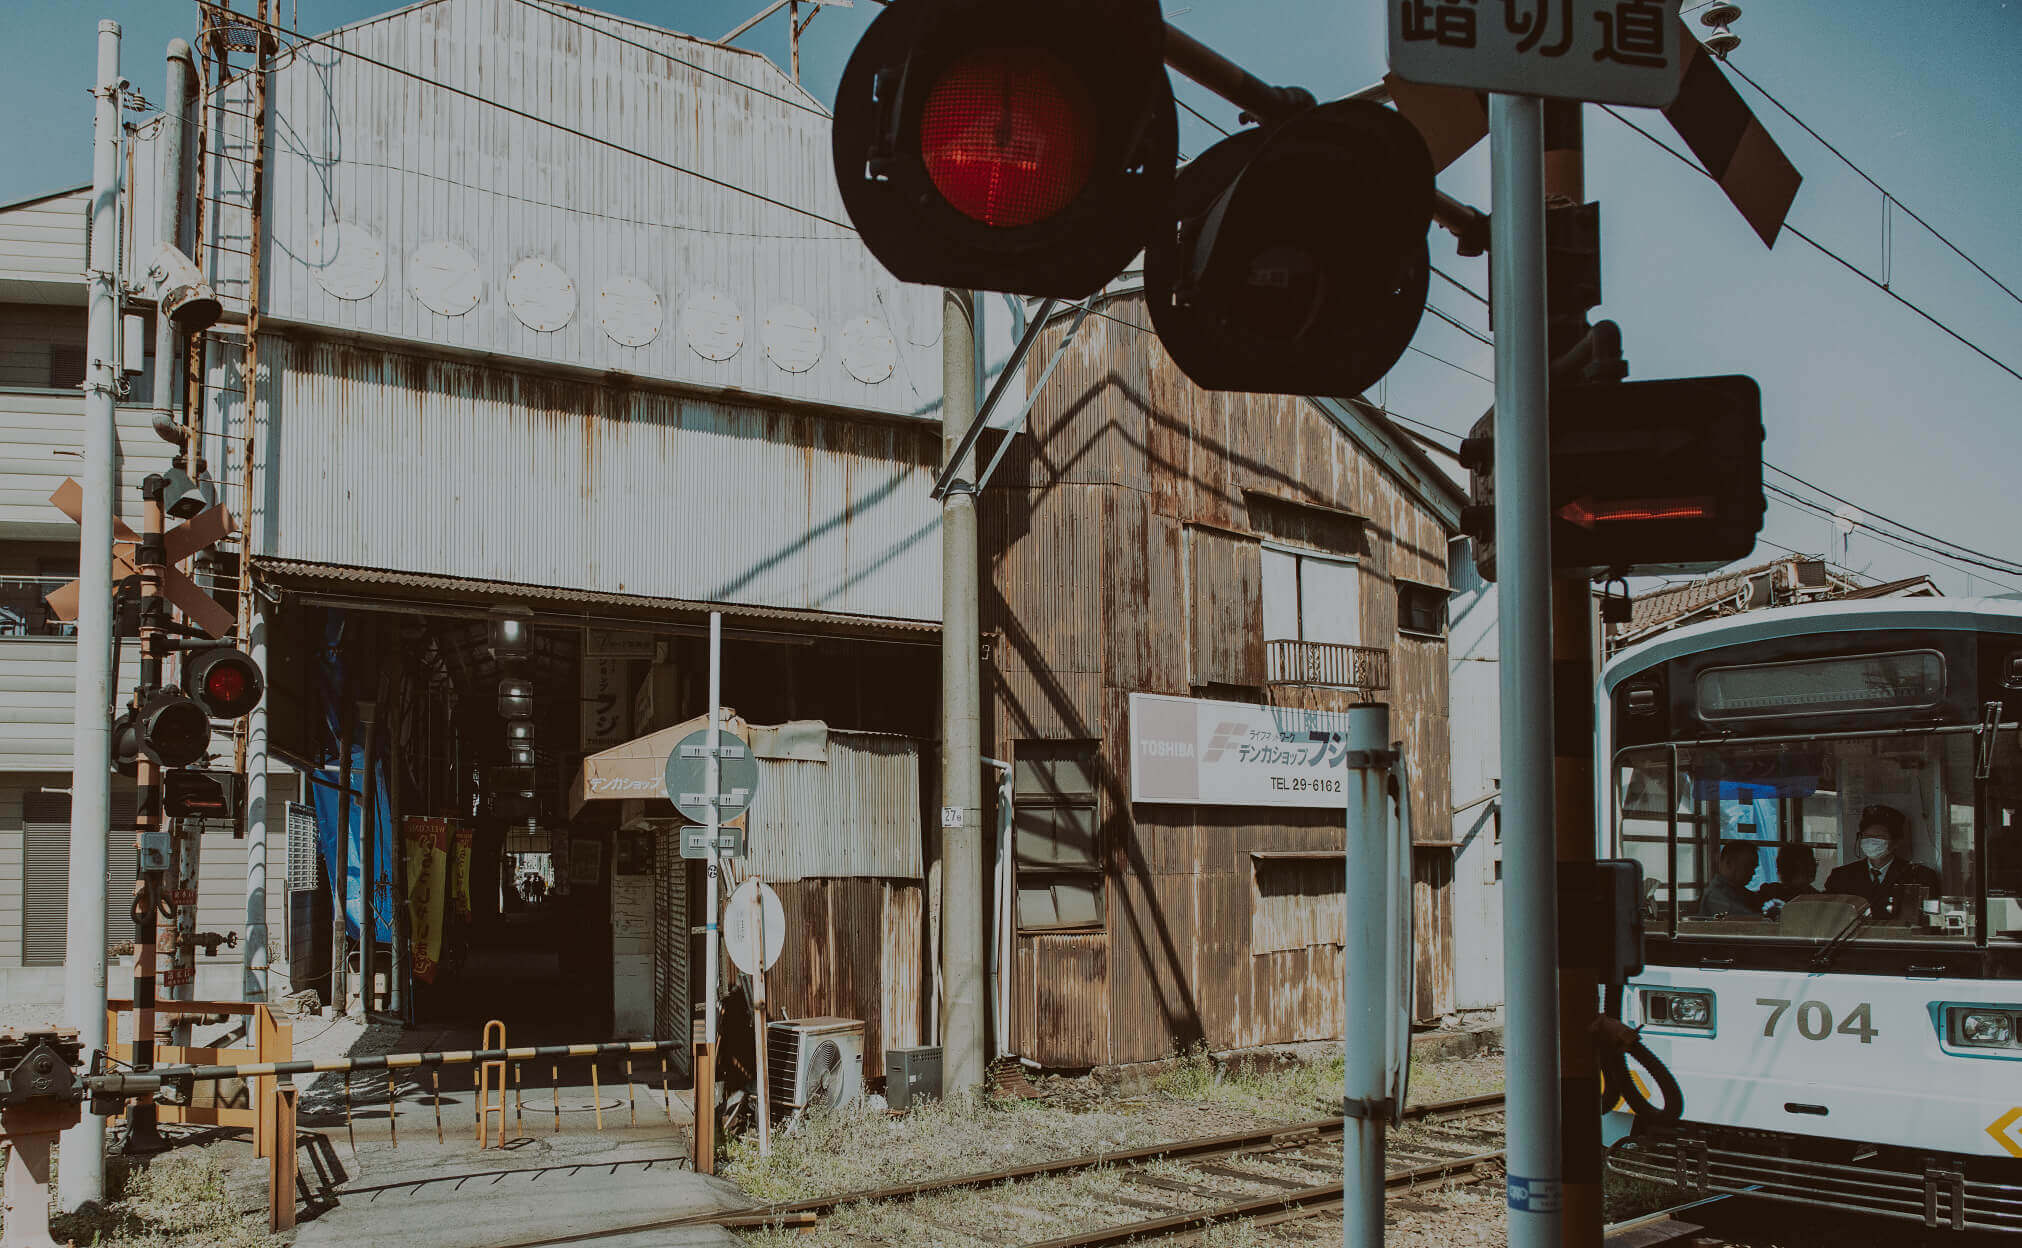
(1226, 591)
(45, 871)
(1421, 609)
(1296, 901)
(1057, 835)
(1302, 524)
(1310, 598)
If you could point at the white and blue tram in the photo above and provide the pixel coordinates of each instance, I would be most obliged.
(1843, 1038)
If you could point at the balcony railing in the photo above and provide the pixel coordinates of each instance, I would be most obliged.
(1327, 663)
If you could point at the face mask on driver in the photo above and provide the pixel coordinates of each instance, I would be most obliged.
(1874, 848)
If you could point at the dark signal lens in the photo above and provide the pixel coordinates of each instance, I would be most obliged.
(1008, 136)
(226, 684)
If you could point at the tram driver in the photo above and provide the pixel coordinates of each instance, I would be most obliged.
(1728, 892)
(1886, 868)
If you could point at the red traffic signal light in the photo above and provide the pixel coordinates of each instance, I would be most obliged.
(225, 680)
(1024, 148)
(1293, 259)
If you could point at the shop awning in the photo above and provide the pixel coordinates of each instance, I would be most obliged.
(637, 770)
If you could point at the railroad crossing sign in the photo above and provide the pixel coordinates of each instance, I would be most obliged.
(1608, 51)
(186, 539)
(688, 788)
(742, 926)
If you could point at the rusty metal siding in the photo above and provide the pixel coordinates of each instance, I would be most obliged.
(1178, 609)
(414, 164)
(390, 460)
(856, 815)
(854, 949)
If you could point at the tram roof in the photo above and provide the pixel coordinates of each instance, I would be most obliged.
(1967, 614)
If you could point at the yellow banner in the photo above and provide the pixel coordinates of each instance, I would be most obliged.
(427, 890)
(460, 872)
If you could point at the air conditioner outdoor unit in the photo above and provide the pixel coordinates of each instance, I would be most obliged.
(815, 1061)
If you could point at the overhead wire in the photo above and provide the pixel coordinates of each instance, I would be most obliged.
(1865, 176)
(1875, 515)
(1830, 254)
(1892, 539)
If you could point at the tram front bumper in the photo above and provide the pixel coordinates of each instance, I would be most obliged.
(1940, 1195)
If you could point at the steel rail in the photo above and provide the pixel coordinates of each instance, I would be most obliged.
(1291, 1135)
(120, 1083)
(1311, 1201)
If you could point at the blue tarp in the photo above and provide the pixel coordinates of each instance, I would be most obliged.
(326, 790)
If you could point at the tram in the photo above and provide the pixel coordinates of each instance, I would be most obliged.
(1826, 801)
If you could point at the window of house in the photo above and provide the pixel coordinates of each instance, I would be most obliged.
(1310, 596)
(1057, 835)
(1421, 609)
(1297, 900)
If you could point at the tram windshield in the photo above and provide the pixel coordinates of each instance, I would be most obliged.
(1762, 839)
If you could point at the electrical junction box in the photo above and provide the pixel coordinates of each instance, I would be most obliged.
(912, 1074)
(154, 851)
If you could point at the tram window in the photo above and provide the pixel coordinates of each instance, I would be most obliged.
(2004, 842)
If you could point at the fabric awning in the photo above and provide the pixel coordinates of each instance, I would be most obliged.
(637, 770)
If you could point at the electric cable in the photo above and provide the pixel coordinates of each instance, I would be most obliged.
(1821, 509)
(1830, 254)
(2016, 565)
(1469, 330)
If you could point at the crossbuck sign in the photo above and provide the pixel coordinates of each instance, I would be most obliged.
(1607, 51)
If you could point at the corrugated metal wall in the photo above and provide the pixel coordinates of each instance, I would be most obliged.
(368, 167)
(855, 949)
(1115, 538)
(858, 814)
(1476, 732)
(44, 240)
(42, 442)
(38, 685)
(390, 460)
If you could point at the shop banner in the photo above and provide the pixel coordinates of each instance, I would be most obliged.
(427, 890)
(460, 872)
(1201, 752)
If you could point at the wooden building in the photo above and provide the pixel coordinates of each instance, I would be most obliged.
(1275, 556)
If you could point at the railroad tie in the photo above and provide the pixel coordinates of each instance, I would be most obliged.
(1174, 1185)
(1247, 1176)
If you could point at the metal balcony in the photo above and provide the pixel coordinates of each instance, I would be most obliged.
(1326, 663)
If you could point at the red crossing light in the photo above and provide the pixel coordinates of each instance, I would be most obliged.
(225, 680)
(1007, 136)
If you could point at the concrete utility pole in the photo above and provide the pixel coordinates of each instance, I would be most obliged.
(962, 913)
(82, 1177)
(1368, 974)
(1523, 558)
(1573, 753)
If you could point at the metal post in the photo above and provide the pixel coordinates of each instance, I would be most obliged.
(141, 1135)
(82, 1177)
(1522, 471)
(254, 962)
(961, 739)
(340, 871)
(397, 995)
(1366, 978)
(169, 205)
(1003, 898)
(705, 1052)
(1573, 763)
(368, 859)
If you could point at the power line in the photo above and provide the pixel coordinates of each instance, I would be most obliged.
(1894, 539)
(1469, 330)
(1829, 253)
(1450, 364)
(1866, 177)
(1875, 515)
(1461, 286)
(592, 27)
(545, 121)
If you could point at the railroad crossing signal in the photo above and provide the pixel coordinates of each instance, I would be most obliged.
(225, 680)
(208, 527)
(1029, 148)
(1654, 478)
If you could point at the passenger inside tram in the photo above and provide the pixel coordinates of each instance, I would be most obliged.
(1796, 868)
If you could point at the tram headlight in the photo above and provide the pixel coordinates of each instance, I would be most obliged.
(1678, 1009)
(1983, 1028)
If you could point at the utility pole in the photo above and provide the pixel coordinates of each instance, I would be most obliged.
(962, 1037)
(1573, 726)
(82, 1177)
(1524, 623)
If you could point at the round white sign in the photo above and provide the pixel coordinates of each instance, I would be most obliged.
(629, 311)
(868, 351)
(443, 276)
(792, 339)
(713, 324)
(540, 294)
(741, 926)
(347, 260)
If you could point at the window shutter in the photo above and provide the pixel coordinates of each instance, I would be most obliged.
(45, 877)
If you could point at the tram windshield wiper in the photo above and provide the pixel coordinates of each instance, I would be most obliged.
(1823, 958)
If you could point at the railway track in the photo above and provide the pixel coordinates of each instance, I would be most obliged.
(1260, 1177)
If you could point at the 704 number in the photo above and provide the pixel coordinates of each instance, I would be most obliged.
(1814, 1019)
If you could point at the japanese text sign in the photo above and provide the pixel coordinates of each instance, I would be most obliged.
(1607, 51)
(1201, 752)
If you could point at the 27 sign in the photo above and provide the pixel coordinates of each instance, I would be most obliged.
(1608, 51)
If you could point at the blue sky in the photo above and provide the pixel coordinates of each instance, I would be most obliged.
(1861, 395)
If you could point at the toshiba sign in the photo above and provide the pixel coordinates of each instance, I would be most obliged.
(1196, 751)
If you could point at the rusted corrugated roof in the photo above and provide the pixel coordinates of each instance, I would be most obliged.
(423, 588)
(1897, 589)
